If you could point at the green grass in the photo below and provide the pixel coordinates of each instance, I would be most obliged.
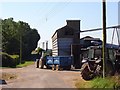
(102, 83)
(108, 82)
(16, 61)
(27, 63)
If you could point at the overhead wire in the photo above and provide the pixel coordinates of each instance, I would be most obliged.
(57, 9)
(116, 28)
(99, 29)
(54, 10)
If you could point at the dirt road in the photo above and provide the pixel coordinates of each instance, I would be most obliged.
(31, 77)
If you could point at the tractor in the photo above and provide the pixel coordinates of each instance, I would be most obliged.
(92, 66)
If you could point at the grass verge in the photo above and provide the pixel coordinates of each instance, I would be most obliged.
(108, 82)
(27, 63)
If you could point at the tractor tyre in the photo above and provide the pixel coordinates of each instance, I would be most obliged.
(86, 73)
(41, 64)
(37, 62)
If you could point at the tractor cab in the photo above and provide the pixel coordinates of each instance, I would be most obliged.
(112, 56)
(95, 53)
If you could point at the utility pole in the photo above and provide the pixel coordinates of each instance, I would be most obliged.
(104, 37)
(20, 47)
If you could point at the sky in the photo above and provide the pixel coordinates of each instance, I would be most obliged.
(48, 16)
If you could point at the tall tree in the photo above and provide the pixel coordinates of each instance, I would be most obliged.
(11, 33)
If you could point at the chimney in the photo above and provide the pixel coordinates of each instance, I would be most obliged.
(43, 45)
(75, 24)
(46, 45)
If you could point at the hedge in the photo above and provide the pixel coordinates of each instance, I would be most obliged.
(9, 60)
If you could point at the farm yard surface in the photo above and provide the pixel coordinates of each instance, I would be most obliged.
(31, 77)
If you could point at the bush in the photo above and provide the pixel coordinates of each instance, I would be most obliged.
(9, 60)
(16, 59)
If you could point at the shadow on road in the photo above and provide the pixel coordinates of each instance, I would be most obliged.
(74, 70)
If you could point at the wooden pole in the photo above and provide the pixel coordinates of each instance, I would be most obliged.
(20, 48)
(104, 37)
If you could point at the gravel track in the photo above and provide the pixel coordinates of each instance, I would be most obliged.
(31, 77)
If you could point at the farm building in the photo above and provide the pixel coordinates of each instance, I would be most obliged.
(64, 37)
(66, 42)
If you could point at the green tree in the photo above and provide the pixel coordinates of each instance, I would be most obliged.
(10, 41)
(11, 33)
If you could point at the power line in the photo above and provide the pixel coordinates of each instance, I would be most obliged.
(99, 29)
(55, 10)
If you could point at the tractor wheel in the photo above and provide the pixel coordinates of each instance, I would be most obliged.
(37, 62)
(41, 64)
(86, 73)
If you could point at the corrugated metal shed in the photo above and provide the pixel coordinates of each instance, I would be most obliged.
(64, 37)
(64, 46)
